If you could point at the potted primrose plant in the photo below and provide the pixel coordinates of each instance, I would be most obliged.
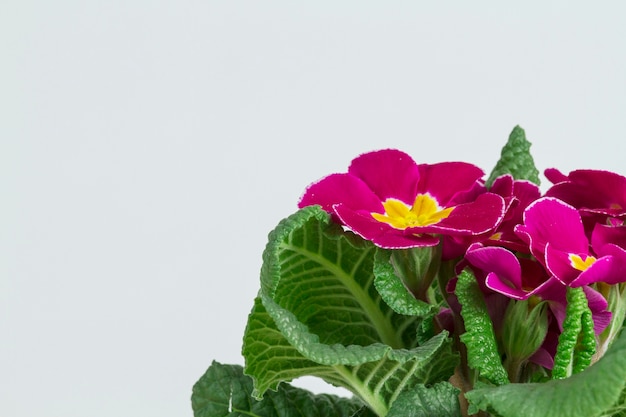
(428, 290)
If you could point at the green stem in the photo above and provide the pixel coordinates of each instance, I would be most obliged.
(513, 369)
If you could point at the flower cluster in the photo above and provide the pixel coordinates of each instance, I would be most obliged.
(525, 248)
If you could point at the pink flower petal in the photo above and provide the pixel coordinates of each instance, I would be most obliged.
(503, 185)
(542, 358)
(524, 191)
(616, 268)
(551, 220)
(592, 190)
(554, 175)
(551, 289)
(558, 310)
(601, 270)
(388, 173)
(503, 266)
(558, 263)
(341, 188)
(495, 283)
(445, 180)
(398, 241)
(603, 235)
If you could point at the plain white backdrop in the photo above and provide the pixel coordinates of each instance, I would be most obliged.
(148, 147)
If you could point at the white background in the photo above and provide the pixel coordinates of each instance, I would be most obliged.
(148, 147)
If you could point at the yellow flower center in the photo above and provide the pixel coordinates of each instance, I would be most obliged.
(425, 211)
(578, 263)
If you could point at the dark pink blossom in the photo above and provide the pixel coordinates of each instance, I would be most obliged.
(556, 236)
(521, 277)
(519, 194)
(613, 233)
(593, 192)
(387, 198)
(510, 275)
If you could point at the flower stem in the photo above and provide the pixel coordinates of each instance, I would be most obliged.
(513, 368)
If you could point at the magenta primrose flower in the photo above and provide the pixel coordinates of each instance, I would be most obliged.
(387, 198)
(590, 191)
(517, 194)
(507, 274)
(554, 231)
(521, 277)
(520, 193)
(613, 233)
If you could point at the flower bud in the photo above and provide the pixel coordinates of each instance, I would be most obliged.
(524, 328)
(417, 267)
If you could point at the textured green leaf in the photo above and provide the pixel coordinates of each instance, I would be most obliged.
(441, 399)
(270, 358)
(326, 280)
(376, 373)
(224, 391)
(577, 341)
(479, 338)
(515, 159)
(393, 290)
(597, 391)
(321, 315)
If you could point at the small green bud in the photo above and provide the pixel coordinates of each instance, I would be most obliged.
(524, 328)
(417, 267)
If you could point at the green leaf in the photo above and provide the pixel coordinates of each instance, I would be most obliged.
(577, 342)
(270, 358)
(441, 399)
(479, 338)
(376, 373)
(320, 315)
(224, 391)
(597, 391)
(326, 280)
(393, 290)
(515, 159)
